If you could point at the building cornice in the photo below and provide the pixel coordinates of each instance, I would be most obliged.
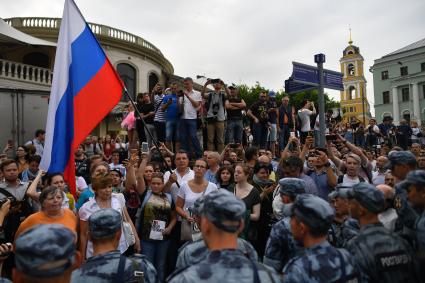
(48, 29)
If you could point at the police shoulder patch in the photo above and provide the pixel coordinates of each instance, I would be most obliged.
(393, 260)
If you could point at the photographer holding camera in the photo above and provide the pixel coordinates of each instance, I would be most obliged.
(216, 113)
(18, 193)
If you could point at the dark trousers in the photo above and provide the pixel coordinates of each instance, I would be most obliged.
(303, 136)
(284, 136)
(259, 132)
(140, 131)
(160, 131)
(188, 129)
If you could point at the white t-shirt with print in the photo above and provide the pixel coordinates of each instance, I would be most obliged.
(91, 207)
(190, 112)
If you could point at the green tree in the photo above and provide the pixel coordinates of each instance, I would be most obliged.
(250, 95)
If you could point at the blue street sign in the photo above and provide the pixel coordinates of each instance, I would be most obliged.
(292, 87)
(332, 79)
(309, 75)
(305, 74)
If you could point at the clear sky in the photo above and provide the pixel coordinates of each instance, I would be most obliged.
(244, 41)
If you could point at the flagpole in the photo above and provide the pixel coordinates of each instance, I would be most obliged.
(155, 142)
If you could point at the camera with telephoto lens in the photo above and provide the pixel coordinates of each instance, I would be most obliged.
(215, 81)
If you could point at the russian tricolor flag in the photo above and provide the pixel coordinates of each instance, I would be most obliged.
(85, 88)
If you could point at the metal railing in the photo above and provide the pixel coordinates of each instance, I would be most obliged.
(54, 23)
(26, 73)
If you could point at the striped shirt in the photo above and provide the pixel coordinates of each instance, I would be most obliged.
(160, 114)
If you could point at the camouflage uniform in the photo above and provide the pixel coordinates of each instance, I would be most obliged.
(45, 251)
(320, 262)
(104, 267)
(193, 252)
(281, 246)
(227, 265)
(112, 266)
(381, 255)
(411, 219)
(341, 233)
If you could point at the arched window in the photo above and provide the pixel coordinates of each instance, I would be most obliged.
(128, 76)
(351, 93)
(386, 114)
(350, 52)
(37, 59)
(153, 80)
(351, 70)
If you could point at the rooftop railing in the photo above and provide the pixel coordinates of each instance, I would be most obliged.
(54, 23)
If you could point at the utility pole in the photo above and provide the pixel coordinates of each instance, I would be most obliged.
(320, 59)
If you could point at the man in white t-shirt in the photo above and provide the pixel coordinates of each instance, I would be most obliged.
(191, 101)
(181, 174)
(304, 114)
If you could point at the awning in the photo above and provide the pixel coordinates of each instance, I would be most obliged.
(8, 34)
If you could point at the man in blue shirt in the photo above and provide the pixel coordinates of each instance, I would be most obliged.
(170, 105)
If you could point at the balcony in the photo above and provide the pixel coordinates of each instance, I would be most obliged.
(102, 30)
(25, 73)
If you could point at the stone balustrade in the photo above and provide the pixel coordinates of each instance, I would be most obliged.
(27, 73)
(54, 23)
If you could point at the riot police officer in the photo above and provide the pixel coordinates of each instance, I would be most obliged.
(281, 246)
(381, 255)
(192, 252)
(107, 264)
(311, 218)
(221, 222)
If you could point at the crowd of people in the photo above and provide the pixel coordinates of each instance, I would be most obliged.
(220, 198)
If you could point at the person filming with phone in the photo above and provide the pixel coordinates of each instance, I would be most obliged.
(304, 115)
